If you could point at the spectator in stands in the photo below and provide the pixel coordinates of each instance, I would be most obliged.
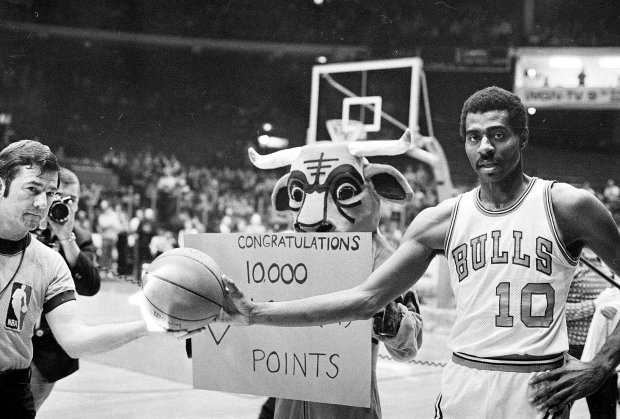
(241, 225)
(163, 241)
(122, 244)
(586, 186)
(145, 230)
(391, 232)
(167, 194)
(191, 225)
(109, 226)
(82, 220)
(611, 193)
(226, 225)
(256, 225)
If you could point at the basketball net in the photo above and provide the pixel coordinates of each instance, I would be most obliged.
(340, 132)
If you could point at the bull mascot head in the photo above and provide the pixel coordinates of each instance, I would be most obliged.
(331, 186)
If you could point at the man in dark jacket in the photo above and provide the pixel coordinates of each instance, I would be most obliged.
(50, 362)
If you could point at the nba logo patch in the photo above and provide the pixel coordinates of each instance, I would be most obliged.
(18, 306)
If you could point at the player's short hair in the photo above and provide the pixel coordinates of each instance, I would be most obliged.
(27, 153)
(496, 99)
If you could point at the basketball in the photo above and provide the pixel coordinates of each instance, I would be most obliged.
(183, 289)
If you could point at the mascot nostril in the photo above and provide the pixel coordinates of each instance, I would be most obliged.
(325, 228)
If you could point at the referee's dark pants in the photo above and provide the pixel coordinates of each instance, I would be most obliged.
(16, 400)
(601, 403)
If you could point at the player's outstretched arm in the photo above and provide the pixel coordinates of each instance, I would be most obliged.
(79, 339)
(583, 221)
(424, 237)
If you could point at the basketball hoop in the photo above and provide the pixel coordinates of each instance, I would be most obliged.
(340, 132)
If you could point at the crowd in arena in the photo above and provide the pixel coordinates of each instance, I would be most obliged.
(353, 22)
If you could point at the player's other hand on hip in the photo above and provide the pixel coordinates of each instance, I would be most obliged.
(553, 390)
(237, 309)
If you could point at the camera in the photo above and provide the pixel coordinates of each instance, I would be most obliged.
(59, 210)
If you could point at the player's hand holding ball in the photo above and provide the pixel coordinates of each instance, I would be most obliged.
(237, 310)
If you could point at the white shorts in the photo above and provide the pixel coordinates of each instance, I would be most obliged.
(470, 389)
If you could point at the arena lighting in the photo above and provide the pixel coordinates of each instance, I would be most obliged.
(318, 2)
(565, 61)
(531, 111)
(609, 62)
(267, 127)
(531, 72)
(267, 141)
(5, 118)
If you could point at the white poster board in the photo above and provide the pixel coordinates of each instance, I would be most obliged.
(330, 363)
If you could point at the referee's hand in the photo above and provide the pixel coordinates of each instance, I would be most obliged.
(152, 326)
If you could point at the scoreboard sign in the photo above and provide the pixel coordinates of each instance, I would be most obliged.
(568, 78)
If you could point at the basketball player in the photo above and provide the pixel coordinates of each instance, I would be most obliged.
(35, 280)
(512, 245)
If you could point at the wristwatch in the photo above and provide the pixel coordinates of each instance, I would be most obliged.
(71, 238)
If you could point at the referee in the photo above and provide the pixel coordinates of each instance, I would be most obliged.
(35, 280)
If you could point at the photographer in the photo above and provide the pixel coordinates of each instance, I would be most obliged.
(50, 362)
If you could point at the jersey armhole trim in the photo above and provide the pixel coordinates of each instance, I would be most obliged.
(451, 226)
(554, 226)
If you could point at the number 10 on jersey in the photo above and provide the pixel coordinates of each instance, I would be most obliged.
(505, 319)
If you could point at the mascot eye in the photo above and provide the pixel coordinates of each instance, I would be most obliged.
(296, 192)
(345, 191)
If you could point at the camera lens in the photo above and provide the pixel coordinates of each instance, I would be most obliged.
(59, 211)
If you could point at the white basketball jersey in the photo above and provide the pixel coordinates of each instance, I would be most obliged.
(510, 274)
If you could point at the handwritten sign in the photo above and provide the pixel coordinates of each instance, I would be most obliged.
(329, 363)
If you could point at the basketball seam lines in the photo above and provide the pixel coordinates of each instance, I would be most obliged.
(186, 289)
(178, 318)
(219, 281)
